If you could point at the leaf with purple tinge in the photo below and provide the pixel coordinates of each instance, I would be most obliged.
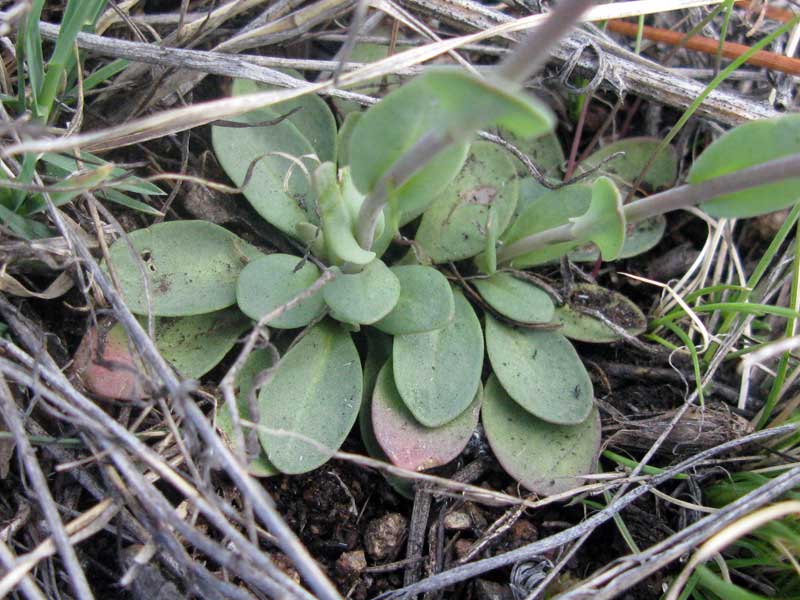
(104, 364)
(543, 457)
(407, 442)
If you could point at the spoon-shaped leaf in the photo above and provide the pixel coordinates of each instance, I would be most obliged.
(367, 52)
(544, 151)
(282, 201)
(345, 133)
(258, 362)
(471, 102)
(406, 442)
(625, 170)
(584, 327)
(191, 267)
(309, 113)
(745, 146)
(195, 345)
(515, 298)
(543, 457)
(604, 222)
(105, 365)
(365, 297)
(386, 131)
(455, 226)
(530, 190)
(425, 303)
(551, 209)
(315, 392)
(640, 237)
(379, 350)
(270, 282)
(438, 372)
(541, 371)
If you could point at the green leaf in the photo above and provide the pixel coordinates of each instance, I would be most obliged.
(315, 392)
(625, 170)
(745, 146)
(386, 131)
(365, 297)
(530, 190)
(406, 442)
(604, 222)
(583, 327)
(438, 372)
(470, 103)
(258, 362)
(640, 238)
(282, 201)
(544, 151)
(337, 220)
(271, 281)
(195, 345)
(191, 267)
(551, 209)
(455, 226)
(517, 299)
(367, 52)
(345, 133)
(312, 117)
(545, 458)
(541, 371)
(425, 303)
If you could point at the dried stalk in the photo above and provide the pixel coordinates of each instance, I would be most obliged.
(27, 455)
(764, 494)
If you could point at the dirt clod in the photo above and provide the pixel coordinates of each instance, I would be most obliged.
(385, 536)
(457, 521)
(351, 564)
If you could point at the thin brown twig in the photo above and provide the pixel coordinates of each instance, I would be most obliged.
(763, 58)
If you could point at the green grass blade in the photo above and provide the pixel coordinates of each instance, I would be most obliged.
(32, 51)
(125, 200)
(791, 328)
(77, 14)
(100, 76)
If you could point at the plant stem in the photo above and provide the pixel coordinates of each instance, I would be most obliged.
(414, 159)
(521, 64)
(668, 201)
(533, 50)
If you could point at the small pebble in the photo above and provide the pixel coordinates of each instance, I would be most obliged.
(385, 536)
(524, 532)
(351, 564)
(457, 521)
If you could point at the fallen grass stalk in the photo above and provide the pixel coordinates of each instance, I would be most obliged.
(180, 119)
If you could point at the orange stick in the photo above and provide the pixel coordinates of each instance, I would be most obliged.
(770, 60)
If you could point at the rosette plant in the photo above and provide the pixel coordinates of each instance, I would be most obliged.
(413, 277)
